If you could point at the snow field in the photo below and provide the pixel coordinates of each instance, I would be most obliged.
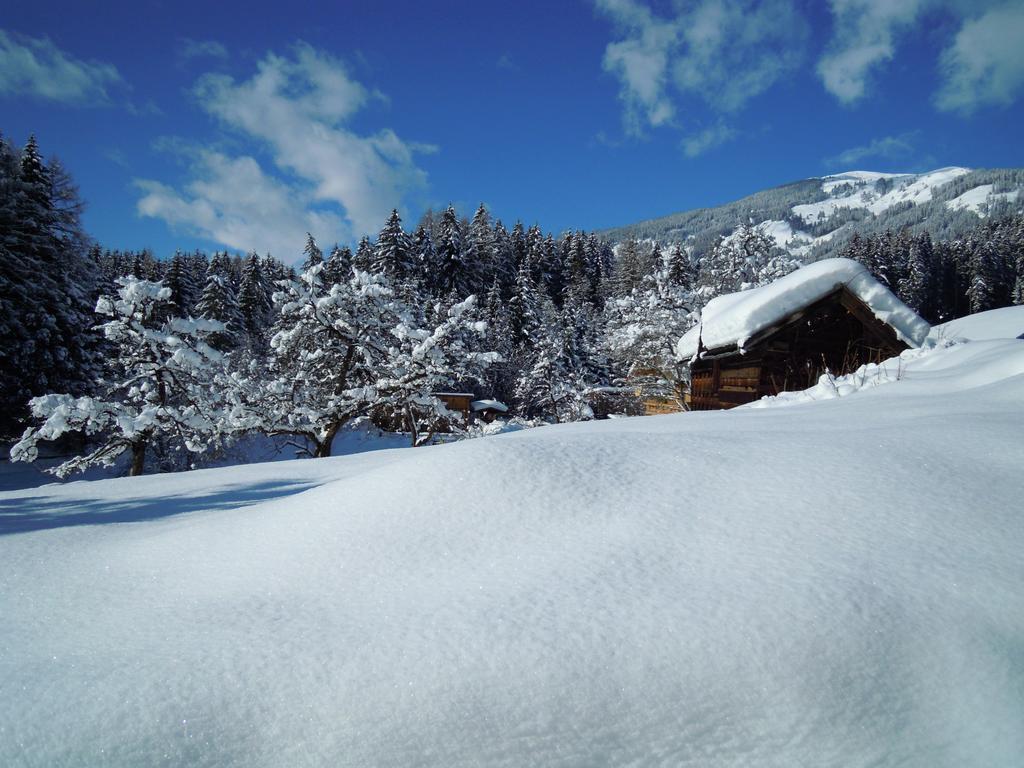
(833, 584)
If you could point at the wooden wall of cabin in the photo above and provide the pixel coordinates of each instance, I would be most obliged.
(833, 338)
(837, 334)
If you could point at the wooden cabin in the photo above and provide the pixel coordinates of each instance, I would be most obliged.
(784, 336)
(458, 402)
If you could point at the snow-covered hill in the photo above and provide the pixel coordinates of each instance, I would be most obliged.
(815, 217)
(834, 583)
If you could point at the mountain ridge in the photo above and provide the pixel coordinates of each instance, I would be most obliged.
(813, 218)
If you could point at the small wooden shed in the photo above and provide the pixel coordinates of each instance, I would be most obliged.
(487, 410)
(828, 316)
(457, 402)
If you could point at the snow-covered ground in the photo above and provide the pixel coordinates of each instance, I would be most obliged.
(836, 583)
(15, 475)
(1004, 323)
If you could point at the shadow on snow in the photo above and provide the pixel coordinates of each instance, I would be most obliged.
(31, 512)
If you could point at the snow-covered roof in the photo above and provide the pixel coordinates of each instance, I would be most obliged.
(731, 320)
(483, 405)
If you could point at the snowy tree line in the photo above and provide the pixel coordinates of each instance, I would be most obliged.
(942, 280)
(173, 358)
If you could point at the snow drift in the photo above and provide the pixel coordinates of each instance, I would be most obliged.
(837, 583)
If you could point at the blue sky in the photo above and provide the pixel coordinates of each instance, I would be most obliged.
(243, 126)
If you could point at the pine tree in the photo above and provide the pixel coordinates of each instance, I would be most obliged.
(219, 303)
(46, 285)
(363, 258)
(254, 304)
(628, 267)
(983, 278)
(680, 270)
(393, 256)
(313, 253)
(179, 280)
(479, 263)
(338, 267)
(425, 260)
(916, 287)
(452, 275)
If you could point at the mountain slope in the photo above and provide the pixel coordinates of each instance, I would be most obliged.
(834, 583)
(815, 217)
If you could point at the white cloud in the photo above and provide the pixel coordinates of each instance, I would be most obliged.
(231, 201)
(189, 49)
(734, 51)
(641, 63)
(864, 38)
(886, 147)
(707, 139)
(724, 53)
(299, 108)
(985, 64)
(37, 67)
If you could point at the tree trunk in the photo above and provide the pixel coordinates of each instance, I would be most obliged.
(410, 419)
(323, 447)
(138, 458)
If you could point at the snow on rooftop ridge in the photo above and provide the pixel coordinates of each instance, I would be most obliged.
(731, 320)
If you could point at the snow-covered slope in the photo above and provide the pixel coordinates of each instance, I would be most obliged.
(1004, 323)
(813, 218)
(859, 189)
(836, 583)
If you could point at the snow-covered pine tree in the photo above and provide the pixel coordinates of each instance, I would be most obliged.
(254, 303)
(363, 258)
(393, 256)
(159, 386)
(46, 282)
(501, 338)
(504, 257)
(576, 269)
(916, 287)
(424, 259)
(219, 303)
(983, 278)
(452, 274)
(552, 279)
(480, 261)
(313, 253)
(178, 278)
(525, 309)
(680, 269)
(1017, 295)
(338, 267)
